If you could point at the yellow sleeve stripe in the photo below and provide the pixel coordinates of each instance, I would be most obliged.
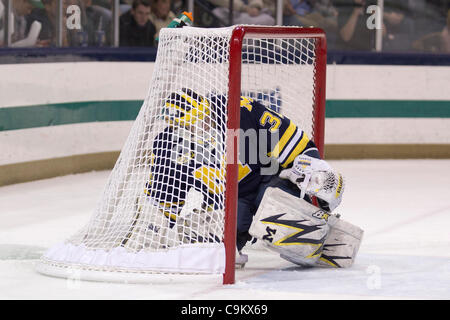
(283, 141)
(299, 148)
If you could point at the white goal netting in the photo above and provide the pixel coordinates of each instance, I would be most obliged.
(163, 207)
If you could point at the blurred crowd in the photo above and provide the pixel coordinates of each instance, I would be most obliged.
(86, 22)
(404, 25)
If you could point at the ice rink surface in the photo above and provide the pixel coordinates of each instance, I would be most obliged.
(402, 205)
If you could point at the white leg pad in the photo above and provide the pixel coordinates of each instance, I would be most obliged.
(341, 245)
(290, 226)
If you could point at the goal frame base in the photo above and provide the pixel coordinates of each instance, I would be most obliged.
(78, 272)
(78, 262)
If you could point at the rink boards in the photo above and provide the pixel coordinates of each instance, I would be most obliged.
(372, 112)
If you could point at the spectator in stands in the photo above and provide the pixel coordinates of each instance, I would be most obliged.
(325, 7)
(136, 29)
(254, 15)
(47, 17)
(21, 8)
(307, 13)
(270, 7)
(293, 10)
(22, 35)
(244, 11)
(436, 42)
(161, 15)
(398, 29)
(445, 35)
(352, 26)
(98, 24)
(222, 9)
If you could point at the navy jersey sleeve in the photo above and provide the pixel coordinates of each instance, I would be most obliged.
(285, 140)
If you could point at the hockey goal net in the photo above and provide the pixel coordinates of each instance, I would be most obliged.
(169, 206)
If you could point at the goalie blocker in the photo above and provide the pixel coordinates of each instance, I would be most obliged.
(304, 234)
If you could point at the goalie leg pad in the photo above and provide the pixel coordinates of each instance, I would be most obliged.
(290, 226)
(341, 245)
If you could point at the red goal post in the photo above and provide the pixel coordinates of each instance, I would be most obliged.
(234, 94)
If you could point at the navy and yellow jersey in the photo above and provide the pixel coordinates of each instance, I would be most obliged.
(265, 135)
(277, 137)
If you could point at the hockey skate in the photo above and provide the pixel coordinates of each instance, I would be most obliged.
(241, 260)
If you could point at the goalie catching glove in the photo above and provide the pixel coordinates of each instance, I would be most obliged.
(315, 177)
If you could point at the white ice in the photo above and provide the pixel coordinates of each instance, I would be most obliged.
(403, 206)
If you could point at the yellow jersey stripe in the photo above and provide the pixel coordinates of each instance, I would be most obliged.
(283, 141)
(300, 147)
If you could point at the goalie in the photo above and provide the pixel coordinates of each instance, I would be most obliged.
(274, 207)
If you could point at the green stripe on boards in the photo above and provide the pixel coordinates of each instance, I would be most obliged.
(15, 118)
(387, 109)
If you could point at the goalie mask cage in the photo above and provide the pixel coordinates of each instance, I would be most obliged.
(148, 224)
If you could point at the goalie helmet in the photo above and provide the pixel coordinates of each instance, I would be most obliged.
(186, 107)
